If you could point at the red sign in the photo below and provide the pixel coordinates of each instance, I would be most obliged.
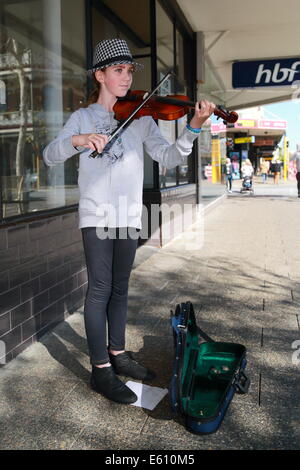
(272, 124)
(259, 142)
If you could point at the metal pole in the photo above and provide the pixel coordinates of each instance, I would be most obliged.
(285, 158)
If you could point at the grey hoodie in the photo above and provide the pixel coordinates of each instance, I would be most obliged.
(111, 187)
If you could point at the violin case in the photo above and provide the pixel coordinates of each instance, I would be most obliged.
(206, 373)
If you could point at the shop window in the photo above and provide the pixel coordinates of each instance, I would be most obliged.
(165, 63)
(173, 53)
(42, 61)
(184, 170)
(130, 21)
(130, 18)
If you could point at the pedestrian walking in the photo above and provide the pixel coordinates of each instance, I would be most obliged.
(296, 158)
(247, 172)
(229, 174)
(264, 169)
(110, 206)
(276, 170)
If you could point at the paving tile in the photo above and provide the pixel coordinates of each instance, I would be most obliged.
(245, 426)
(31, 396)
(56, 356)
(279, 389)
(243, 290)
(36, 433)
(90, 439)
(95, 410)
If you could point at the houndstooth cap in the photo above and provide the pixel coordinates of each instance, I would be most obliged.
(112, 52)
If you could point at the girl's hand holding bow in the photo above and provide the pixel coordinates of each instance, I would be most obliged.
(90, 141)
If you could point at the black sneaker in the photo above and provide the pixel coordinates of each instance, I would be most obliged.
(105, 381)
(125, 365)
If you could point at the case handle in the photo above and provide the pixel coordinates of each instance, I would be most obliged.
(204, 335)
(243, 383)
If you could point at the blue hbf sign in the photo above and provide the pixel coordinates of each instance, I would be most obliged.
(260, 73)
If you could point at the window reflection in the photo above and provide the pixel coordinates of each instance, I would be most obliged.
(173, 58)
(165, 63)
(139, 45)
(43, 80)
(181, 88)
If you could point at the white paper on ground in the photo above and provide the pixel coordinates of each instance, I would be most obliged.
(148, 397)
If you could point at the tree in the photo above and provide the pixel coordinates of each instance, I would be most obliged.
(16, 65)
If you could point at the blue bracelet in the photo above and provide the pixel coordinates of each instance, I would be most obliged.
(195, 130)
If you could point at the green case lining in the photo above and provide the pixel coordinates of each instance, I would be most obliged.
(207, 373)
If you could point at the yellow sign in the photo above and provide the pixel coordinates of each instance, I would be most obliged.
(245, 123)
(244, 140)
(216, 160)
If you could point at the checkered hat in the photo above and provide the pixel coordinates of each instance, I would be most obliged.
(112, 52)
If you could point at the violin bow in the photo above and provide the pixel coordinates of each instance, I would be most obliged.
(127, 121)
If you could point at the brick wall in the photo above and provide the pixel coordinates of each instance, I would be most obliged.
(42, 279)
(43, 275)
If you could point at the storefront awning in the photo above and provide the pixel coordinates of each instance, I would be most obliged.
(248, 31)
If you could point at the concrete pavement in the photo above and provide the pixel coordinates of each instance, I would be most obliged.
(240, 266)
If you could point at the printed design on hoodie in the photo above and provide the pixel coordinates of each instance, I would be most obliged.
(114, 149)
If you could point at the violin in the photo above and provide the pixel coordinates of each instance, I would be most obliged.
(167, 108)
(139, 103)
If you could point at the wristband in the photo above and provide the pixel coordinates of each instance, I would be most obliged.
(195, 130)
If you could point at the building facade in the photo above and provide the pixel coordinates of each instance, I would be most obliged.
(254, 136)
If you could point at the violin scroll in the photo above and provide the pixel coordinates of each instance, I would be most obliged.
(227, 116)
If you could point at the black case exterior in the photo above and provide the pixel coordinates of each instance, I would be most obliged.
(181, 321)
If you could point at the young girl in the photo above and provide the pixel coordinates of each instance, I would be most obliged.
(110, 206)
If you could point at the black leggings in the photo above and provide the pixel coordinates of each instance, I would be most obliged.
(109, 262)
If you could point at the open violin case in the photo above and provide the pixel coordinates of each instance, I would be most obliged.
(206, 373)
